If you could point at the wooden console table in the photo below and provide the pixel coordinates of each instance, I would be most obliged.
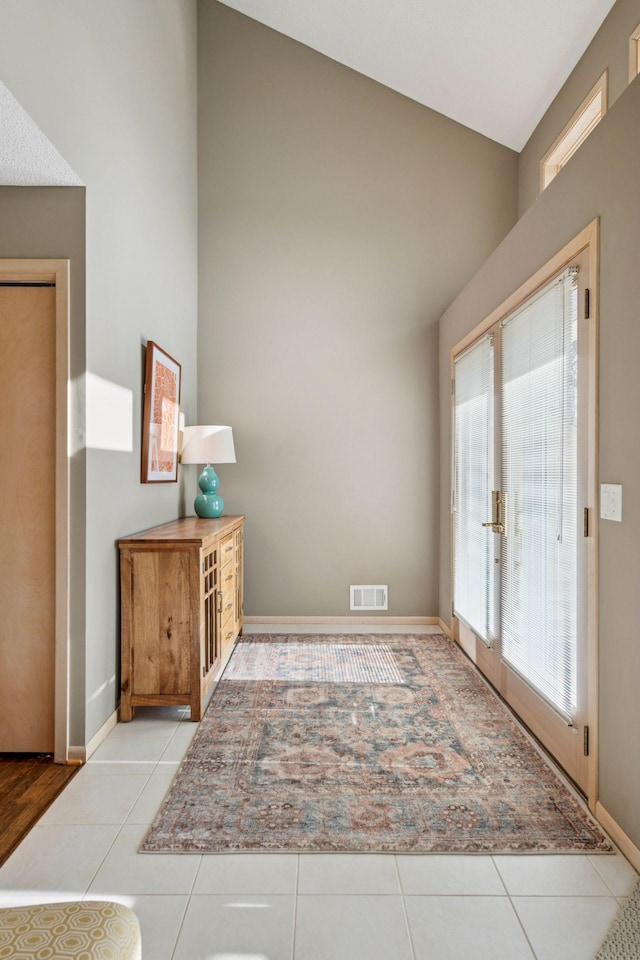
(181, 599)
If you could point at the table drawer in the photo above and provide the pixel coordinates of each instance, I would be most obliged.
(227, 576)
(227, 633)
(227, 603)
(226, 550)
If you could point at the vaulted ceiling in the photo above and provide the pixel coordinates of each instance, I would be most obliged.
(493, 65)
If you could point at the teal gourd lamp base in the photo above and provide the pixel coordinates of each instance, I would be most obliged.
(208, 444)
(209, 503)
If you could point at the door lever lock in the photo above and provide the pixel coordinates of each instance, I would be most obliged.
(498, 524)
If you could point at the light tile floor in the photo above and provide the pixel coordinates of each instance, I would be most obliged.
(289, 907)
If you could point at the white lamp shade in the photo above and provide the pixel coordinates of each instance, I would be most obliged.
(207, 445)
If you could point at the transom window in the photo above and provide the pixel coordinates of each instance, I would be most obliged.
(585, 119)
(634, 54)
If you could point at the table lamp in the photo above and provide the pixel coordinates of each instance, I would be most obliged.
(208, 445)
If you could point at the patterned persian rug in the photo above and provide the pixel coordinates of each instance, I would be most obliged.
(363, 744)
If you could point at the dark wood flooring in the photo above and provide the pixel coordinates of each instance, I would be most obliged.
(29, 783)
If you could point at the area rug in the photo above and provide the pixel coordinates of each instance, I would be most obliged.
(623, 939)
(364, 744)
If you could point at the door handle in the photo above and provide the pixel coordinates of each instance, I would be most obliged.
(496, 527)
(498, 524)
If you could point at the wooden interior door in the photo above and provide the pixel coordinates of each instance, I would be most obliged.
(27, 513)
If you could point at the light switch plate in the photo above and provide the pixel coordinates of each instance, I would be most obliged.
(611, 501)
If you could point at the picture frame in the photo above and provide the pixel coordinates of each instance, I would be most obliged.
(160, 418)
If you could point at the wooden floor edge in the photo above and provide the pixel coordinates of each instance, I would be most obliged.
(399, 621)
(619, 837)
(18, 818)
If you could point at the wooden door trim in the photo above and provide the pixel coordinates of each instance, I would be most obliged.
(560, 738)
(593, 615)
(587, 239)
(56, 271)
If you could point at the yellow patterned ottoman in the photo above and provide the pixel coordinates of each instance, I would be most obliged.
(89, 930)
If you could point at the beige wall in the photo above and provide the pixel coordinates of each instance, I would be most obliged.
(608, 49)
(113, 86)
(43, 222)
(337, 220)
(603, 181)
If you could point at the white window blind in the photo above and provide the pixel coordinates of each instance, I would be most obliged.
(472, 487)
(539, 483)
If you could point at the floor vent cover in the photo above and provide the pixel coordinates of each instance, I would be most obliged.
(369, 597)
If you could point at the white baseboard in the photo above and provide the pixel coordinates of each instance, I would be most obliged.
(619, 837)
(101, 735)
(445, 629)
(392, 621)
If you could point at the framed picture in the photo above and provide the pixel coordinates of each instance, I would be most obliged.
(161, 415)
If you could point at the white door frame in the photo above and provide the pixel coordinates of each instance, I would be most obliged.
(586, 240)
(56, 271)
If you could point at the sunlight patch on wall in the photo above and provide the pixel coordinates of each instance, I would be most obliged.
(109, 415)
(109, 684)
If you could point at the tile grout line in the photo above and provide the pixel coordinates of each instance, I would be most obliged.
(563, 896)
(513, 907)
(170, 741)
(295, 908)
(518, 918)
(111, 845)
(101, 864)
(550, 897)
(122, 825)
(186, 907)
(121, 828)
(500, 877)
(180, 926)
(451, 896)
(593, 861)
(142, 789)
(404, 909)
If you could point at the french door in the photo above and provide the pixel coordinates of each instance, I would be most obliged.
(520, 499)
